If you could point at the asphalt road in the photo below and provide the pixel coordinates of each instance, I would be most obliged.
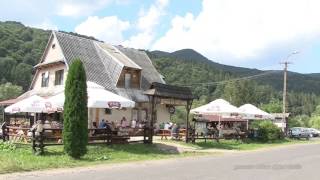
(297, 162)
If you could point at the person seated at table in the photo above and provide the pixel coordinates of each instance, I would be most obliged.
(108, 125)
(94, 125)
(38, 128)
(167, 126)
(113, 126)
(161, 126)
(175, 131)
(18, 136)
(124, 122)
(102, 124)
(142, 124)
(133, 123)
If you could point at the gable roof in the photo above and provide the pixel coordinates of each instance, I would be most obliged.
(76, 47)
(149, 74)
(104, 63)
(169, 91)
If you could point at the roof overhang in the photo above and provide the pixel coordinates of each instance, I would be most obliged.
(165, 91)
(9, 102)
(49, 64)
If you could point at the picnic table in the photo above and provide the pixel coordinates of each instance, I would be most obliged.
(164, 133)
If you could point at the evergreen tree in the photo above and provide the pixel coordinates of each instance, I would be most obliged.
(75, 132)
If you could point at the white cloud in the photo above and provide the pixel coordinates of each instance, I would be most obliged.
(241, 29)
(108, 29)
(75, 8)
(146, 25)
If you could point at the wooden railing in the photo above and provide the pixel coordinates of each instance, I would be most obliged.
(53, 136)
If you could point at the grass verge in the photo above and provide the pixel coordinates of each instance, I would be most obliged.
(239, 145)
(22, 159)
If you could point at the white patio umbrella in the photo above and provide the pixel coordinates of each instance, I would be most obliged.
(98, 97)
(252, 112)
(35, 104)
(219, 107)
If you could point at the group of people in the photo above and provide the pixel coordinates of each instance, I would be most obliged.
(174, 128)
(122, 126)
(23, 133)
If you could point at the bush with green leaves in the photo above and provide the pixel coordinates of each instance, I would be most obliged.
(7, 146)
(267, 131)
(75, 132)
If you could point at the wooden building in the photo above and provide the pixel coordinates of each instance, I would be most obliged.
(124, 71)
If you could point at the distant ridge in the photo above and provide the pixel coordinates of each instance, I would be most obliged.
(298, 82)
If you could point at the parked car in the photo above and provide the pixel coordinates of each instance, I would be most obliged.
(314, 132)
(300, 132)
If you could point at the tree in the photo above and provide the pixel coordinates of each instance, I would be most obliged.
(22, 75)
(315, 119)
(75, 132)
(6, 65)
(299, 121)
(315, 122)
(8, 91)
(274, 106)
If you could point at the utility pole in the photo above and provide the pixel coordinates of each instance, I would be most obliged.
(285, 77)
(284, 106)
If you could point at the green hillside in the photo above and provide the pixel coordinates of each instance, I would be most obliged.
(210, 80)
(188, 58)
(21, 48)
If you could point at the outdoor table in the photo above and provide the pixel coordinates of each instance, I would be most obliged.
(164, 133)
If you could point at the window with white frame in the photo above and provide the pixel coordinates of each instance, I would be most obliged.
(45, 79)
(59, 77)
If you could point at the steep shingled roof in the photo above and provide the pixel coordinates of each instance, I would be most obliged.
(149, 72)
(103, 69)
(77, 47)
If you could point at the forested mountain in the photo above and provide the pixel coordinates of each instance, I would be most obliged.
(21, 48)
(210, 80)
(308, 83)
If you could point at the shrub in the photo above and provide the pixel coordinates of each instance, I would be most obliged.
(7, 146)
(75, 132)
(267, 131)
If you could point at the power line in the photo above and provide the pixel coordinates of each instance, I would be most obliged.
(229, 80)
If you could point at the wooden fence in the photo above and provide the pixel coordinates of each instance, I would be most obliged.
(53, 136)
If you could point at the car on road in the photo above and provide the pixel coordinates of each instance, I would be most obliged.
(300, 132)
(314, 132)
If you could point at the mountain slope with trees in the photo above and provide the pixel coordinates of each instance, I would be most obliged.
(210, 80)
(21, 48)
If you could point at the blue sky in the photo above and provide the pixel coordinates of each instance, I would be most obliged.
(247, 33)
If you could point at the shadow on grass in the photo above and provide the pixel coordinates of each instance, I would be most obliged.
(221, 145)
(145, 149)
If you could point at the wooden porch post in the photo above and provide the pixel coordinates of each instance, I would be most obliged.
(153, 117)
(188, 108)
(4, 116)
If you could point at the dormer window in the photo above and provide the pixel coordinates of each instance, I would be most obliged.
(45, 79)
(127, 80)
